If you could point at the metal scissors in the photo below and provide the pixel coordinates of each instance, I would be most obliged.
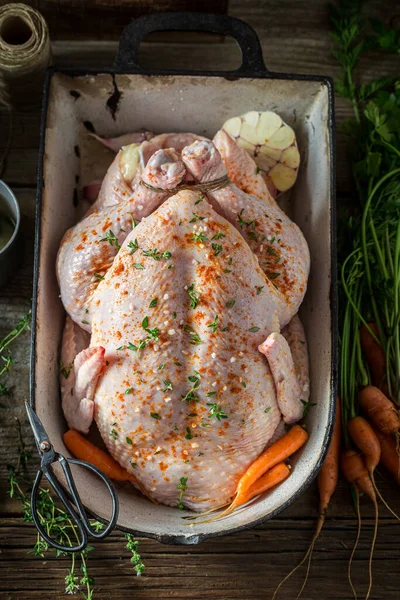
(78, 515)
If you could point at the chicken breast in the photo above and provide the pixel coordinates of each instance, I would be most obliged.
(185, 392)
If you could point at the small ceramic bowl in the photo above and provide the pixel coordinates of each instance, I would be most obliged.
(9, 254)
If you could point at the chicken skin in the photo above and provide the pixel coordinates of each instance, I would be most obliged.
(185, 380)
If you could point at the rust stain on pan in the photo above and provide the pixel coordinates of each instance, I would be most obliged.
(114, 100)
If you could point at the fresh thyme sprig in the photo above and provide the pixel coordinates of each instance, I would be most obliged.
(57, 523)
(194, 296)
(156, 254)
(216, 411)
(136, 559)
(59, 527)
(182, 486)
(112, 239)
(6, 357)
(191, 395)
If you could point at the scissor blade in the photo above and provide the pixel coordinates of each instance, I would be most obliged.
(38, 430)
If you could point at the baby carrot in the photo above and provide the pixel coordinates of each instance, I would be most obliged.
(81, 448)
(270, 479)
(356, 473)
(328, 475)
(368, 442)
(365, 439)
(389, 454)
(275, 475)
(379, 409)
(287, 445)
(327, 480)
(374, 353)
(270, 458)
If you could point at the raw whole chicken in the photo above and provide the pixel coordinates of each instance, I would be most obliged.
(182, 310)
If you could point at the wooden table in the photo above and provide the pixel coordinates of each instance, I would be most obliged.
(294, 36)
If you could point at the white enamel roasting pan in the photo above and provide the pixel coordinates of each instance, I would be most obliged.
(127, 98)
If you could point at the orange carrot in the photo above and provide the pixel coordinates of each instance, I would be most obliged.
(365, 439)
(368, 442)
(80, 447)
(389, 454)
(374, 353)
(275, 475)
(327, 480)
(356, 473)
(328, 475)
(379, 409)
(287, 445)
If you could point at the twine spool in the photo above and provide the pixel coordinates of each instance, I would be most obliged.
(25, 54)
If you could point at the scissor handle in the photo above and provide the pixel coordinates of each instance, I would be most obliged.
(68, 507)
(77, 501)
(78, 515)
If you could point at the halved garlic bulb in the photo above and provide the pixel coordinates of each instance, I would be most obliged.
(272, 144)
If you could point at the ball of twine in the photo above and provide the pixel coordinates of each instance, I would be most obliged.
(25, 54)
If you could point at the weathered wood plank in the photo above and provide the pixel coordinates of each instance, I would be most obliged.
(245, 565)
(104, 19)
(97, 19)
(248, 565)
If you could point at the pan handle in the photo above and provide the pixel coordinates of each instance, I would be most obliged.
(247, 39)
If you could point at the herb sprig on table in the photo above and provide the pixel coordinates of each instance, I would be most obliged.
(57, 524)
(53, 518)
(6, 356)
(59, 527)
(369, 234)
